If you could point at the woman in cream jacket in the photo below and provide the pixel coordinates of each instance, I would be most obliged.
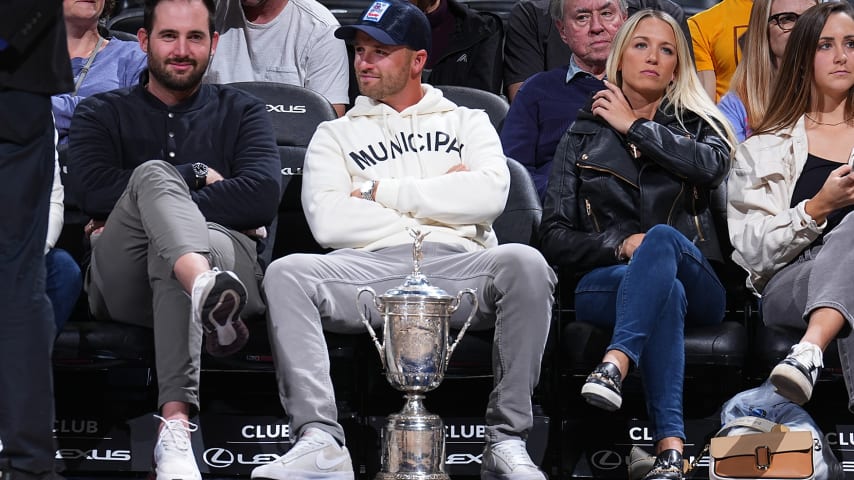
(790, 193)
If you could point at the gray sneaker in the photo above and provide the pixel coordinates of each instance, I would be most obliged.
(218, 297)
(316, 456)
(795, 376)
(508, 460)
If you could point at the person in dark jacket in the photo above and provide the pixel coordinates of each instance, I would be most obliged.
(628, 209)
(466, 47)
(33, 66)
(180, 179)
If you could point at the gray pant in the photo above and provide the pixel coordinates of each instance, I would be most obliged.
(307, 294)
(822, 276)
(130, 280)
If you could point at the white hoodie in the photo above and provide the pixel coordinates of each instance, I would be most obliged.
(408, 153)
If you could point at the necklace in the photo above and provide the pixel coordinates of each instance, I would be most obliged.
(827, 124)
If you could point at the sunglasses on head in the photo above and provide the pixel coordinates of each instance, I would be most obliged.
(784, 20)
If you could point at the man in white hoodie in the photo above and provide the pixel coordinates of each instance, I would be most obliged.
(403, 157)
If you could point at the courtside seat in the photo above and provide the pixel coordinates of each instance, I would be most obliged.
(771, 344)
(494, 105)
(295, 113)
(724, 345)
(128, 20)
(519, 223)
(346, 11)
(498, 7)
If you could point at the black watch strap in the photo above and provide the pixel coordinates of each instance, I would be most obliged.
(200, 170)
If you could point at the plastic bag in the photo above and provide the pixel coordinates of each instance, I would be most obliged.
(764, 402)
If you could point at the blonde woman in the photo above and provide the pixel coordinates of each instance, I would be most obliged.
(627, 207)
(791, 192)
(771, 22)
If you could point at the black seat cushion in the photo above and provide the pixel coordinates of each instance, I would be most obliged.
(724, 344)
(772, 343)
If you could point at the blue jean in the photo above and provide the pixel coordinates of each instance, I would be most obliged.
(64, 283)
(667, 284)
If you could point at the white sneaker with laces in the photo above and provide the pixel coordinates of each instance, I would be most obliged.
(173, 453)
(316, 456)
(508, 460)
(795, 376)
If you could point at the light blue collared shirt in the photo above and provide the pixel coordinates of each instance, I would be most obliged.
(574, 70)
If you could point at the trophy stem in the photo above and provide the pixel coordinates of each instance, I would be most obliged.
(414, 405)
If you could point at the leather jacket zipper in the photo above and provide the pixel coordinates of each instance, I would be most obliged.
(604, 170)
(675, 201)
(700, 235)
(591, 215)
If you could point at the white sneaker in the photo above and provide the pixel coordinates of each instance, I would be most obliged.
(173, 453)
(508, 460)
(217, 298)
(795, 376)
(315, 456)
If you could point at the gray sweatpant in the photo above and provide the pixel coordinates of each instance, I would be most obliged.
(307, 294)
(822, 276)
(130, 279)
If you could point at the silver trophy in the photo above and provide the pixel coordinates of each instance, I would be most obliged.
(415, 353)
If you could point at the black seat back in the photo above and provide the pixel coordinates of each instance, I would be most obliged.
(520, 220)
(129, 20)
(295, 113)
(494, 105)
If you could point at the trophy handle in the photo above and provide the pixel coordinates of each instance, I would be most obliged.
(367, 324)
(455, 304)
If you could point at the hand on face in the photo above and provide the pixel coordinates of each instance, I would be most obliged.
(611, 105)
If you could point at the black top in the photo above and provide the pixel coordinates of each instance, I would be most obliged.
(114, 132)
(470, 53)
(815, 173)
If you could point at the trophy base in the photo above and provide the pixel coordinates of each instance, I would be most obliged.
(411, 476)
(413, 444)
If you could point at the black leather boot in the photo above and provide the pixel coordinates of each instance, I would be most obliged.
(668, 466)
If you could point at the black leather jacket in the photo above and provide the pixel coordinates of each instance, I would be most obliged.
(599, 193)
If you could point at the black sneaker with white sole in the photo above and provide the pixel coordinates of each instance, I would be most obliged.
(218, 297)
(603, 387)
(795, 376)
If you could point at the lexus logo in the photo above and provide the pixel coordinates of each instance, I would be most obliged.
(218, 457)
(605, 460)
(282, 109)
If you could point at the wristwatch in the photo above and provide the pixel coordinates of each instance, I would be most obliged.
(367, 190)
(200, 170)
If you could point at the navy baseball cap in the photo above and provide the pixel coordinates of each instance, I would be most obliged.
(392, 22)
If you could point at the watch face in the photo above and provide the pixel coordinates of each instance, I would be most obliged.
(200, 169)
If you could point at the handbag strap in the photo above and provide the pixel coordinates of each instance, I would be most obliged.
(85, 69)
(755, 423)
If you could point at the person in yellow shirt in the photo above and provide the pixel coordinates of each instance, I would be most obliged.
(715, 34)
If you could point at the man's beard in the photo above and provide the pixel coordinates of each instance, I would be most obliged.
(160, 71)
(390, 83)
